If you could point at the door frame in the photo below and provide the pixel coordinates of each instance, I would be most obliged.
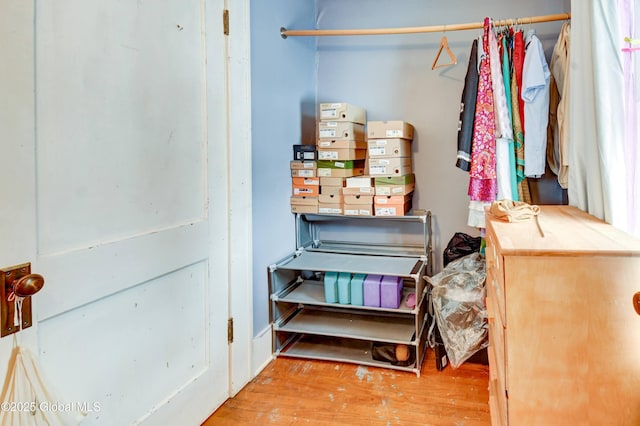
(239, 211)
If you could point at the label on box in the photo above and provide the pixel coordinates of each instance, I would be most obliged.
(324, 144)
(329, 113)
(304, 191)
(381, 200)
(377, 150)
(398, 190)
(330, 124)
(394, 133)
(339, 164)
(351, 212)
(327, 133)
(377, 170)
(378, 142)
(329, 210)
(324, 172)
(328, 155)
(308, 155)
(385, 211)
(303, 173)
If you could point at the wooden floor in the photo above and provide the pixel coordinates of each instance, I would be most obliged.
(298, 391)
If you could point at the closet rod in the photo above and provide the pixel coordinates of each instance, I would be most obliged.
(432, 29)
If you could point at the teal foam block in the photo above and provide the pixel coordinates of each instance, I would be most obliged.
(357, 289)
(331, 287)
(344, 292)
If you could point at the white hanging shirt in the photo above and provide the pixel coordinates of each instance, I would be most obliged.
(535, 94)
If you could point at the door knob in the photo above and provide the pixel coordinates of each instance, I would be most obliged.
(636, 302)
(28, 285)
(17, 283)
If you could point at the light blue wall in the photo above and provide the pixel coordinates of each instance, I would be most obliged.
(283, 96)
(390, 76)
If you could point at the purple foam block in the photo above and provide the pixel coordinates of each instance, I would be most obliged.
(390, 292)
(371, 289)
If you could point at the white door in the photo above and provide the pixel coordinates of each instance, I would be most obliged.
(113, 134)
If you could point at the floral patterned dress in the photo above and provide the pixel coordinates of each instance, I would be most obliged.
(482, 182)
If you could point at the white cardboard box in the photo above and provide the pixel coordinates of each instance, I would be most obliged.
(389, 129)
(341, 154)
(341, 130)
(389, 148)
(389, 166)
(342, 111)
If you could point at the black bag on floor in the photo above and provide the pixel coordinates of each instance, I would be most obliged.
(459, 246)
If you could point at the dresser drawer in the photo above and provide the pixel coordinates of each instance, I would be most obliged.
(497, 394)
(495, 274)
(498, 364)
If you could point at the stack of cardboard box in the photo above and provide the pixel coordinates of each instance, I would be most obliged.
(389, 164)
(342, 150)
(305, 184)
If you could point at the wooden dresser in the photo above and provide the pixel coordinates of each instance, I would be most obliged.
(564, 338)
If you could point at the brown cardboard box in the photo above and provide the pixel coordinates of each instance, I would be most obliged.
(382, 200)
(342, 111)
(395, 189)
(389, 166)
(357, 210)
(392, 209)
(332, 181)
(341, 130)
(389, 129)
(331, 190)
(306, 190)
(299, 208)
(365, 190)
(358, 199)
(322, 172)
(297, 165)
(329, 208)
(389, 148)
(341, 154)
(304, 204)
(346, 144)
(332, 198)
(302, 181)
(304, 173)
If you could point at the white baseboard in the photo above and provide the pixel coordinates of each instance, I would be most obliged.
(262, 351)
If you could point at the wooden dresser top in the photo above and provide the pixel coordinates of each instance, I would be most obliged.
(568, 231)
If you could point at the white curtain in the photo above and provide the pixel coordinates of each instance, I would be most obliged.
(603, 158)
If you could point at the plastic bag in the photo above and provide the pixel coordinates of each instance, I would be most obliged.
(460, 245)
(458, 294)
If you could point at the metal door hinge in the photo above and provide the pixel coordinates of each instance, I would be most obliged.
(230, 330)
(225, 21)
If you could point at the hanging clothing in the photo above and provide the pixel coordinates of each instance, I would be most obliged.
(504, 131)
(535, 94)
(558, 145)
(506, 74)
(468, 110)
(518, 145)
(482, 175)
(518, 65)
(482, 182)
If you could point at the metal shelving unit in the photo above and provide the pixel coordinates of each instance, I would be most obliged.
(306, 326)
